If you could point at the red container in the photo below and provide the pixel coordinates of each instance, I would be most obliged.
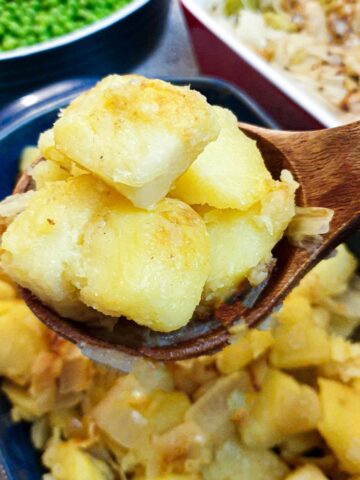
(219, 53)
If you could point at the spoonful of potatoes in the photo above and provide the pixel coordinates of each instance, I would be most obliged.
(153, 222)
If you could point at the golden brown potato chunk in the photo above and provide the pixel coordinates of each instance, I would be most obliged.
(307, 472)
(150, 266)
(299, 341)
(69, 459)
(23, 337)
(235, 461)
(340, 422)
(81, 243)
(240, 241)
(139, 135)
(250, 346)
(329, 277)
(44, 241)
(282, 408)
(229, 173)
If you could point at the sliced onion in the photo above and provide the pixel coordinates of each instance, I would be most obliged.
(211, 412)
(15, 204)
(307, 226)
(116, 417)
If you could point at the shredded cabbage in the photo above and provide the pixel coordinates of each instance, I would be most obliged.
(314, 41)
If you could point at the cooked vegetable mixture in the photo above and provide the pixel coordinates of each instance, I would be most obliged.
(26, 22)
(277, 404)
(316, 41)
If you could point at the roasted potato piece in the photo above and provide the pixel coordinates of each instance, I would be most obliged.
(48, 171)
(247, 348)
(307, 472)
(173, 476)
(7, 291)
(344, 364)
(234, 461)
(24, 405)
(149, 266)
(165, 410)
(329, 277)
(23, 337)
(239, 241)
(229, 173)
(67, 460)
(282, 408)
(299, 341)
(41, 244)
(340, 422)
(139, 135)
(48, 150)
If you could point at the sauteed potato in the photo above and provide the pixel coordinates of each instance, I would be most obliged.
(137, 134)
(250, 412)
(229, 173)
(255, 231)
(117, 259)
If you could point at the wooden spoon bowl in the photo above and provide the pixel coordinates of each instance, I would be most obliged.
(326, 163)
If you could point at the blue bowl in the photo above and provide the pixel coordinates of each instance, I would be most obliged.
(114, 44)
(20, 125)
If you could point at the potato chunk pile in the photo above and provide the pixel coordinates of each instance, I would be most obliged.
(265, 408)
(149, 202)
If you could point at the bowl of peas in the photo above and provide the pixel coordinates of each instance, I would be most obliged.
(43, 41)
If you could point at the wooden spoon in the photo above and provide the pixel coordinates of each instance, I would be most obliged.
(326, 163)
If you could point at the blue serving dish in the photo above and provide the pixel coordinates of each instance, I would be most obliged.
(114, 44)
(20, 125)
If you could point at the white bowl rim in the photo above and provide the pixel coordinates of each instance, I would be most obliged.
(299, 96)
(76, 34)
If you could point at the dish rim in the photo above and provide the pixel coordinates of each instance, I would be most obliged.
(305, 100)
(77, 34)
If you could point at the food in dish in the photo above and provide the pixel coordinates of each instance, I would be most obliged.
(281, 403)
(27, 22)
(114, 227)
(316, 42)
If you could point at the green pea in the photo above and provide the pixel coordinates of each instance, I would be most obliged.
(30, 40)
(9, 43)
(56, 30)
(26, 22)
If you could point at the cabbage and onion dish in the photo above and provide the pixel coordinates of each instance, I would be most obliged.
(315, 42)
